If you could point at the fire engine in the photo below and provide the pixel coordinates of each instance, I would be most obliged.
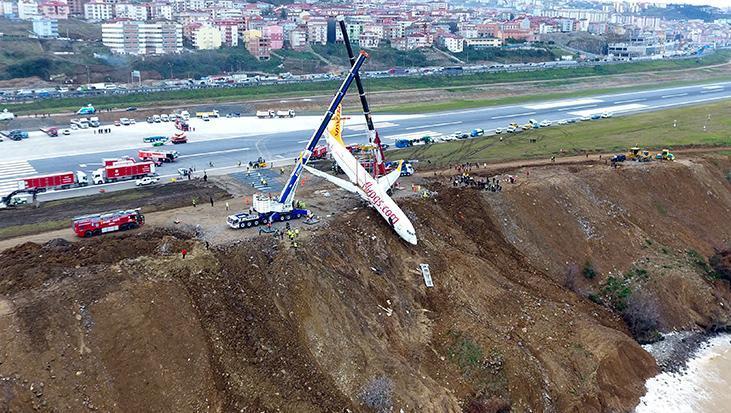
(96, 224)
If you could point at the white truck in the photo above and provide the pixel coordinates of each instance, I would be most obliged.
(81, 123)
(289, 113)
(94, 122)
(5, 115)
(262, 114)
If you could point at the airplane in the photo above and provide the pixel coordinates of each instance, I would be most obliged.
(370, 189)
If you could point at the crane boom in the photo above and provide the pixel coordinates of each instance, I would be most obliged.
(287, 194)
(378, 166)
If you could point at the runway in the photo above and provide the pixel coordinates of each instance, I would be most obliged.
(226, 142)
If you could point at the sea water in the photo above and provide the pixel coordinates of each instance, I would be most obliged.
(704, 387)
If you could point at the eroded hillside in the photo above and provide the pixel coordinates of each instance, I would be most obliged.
(345, 321)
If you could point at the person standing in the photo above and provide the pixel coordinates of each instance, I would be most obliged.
(226, 205)
(211, 198)
(184, 252)
(193, 202)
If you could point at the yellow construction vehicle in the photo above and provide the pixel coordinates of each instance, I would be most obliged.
(634, 153)
(665, 155)
(644, 156)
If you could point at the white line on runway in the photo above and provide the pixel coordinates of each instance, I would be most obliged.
(609, 109)
(304, 141)
(378, 125)
(711, 91)
(514, 115)
(433, 125)
(561, 103)
(673, 96)
(214, 152)
(579, 107)
(17, 174)
(630, 101)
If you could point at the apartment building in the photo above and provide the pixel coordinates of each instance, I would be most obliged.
(58, 10)
(131, 11)
(45, 28)
(138, 38)
(27, 10)
(259, 47)
(229, 30)
(298, 39)
(207, 38)
(275, 34)
(317, 30)
(98, 10)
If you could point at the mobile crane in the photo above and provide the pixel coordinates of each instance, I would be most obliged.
(264, 208)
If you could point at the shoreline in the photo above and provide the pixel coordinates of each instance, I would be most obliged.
(692, 365)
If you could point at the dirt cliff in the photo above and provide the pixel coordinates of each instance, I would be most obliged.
(344, 322)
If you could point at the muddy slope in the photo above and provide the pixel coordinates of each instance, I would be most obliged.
(345, 321)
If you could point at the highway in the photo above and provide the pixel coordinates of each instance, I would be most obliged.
(226, 142)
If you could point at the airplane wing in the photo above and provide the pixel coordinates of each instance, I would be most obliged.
(335, 180)
(387, 181)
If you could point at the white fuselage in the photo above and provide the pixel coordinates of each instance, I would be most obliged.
(371, 191)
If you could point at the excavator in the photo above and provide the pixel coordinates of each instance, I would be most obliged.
(11, 200)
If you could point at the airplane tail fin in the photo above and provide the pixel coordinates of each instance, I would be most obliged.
(387, 181)
(336, 125)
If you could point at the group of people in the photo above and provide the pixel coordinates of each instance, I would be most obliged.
(103, 130)
(467, 167)
(483, 184)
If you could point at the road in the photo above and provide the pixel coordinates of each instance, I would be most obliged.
(226, 142)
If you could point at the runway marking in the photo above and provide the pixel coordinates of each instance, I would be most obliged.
(711, 91)
(434, 125)
(630, 101)
(304, 141)
(378, 125)
(214, 152)
(578, 107)
(11, 171)
(608, 109)
(673, 96)
(513, 116)
(713, 87)
(562, 104)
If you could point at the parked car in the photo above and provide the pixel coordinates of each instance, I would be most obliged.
(563, 122)
(66, 132)
(545, 123)
(498, 131)
(606, 115)
(117, 123)
(131, 109)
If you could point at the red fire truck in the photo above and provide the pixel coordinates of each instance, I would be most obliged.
(157, 156)
(114, 161)
(96, 224)
(122, 171)
(59, 180)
